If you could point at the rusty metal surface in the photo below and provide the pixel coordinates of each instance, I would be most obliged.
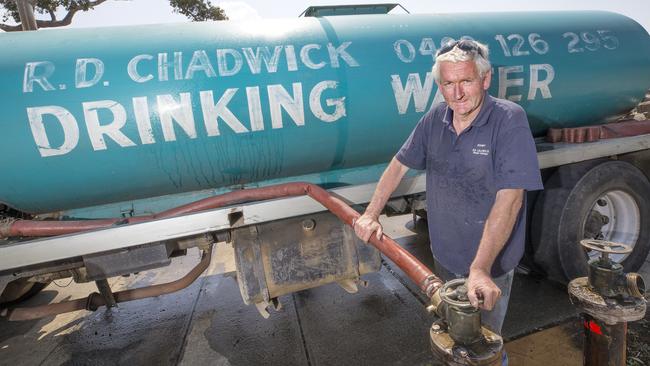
(278, 258)
(95, 300)
(105, 265)
(595, 133)
(604, 343)
(35, 228)
(608, 310)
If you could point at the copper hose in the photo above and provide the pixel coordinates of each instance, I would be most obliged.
(413, 268)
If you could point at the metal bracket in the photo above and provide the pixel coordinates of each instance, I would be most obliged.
(4, 281)
(106, 292)
(350, 286)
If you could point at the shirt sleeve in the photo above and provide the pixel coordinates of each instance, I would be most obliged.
(413, 153)
(515, 161)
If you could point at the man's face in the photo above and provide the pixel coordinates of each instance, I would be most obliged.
(462, 87)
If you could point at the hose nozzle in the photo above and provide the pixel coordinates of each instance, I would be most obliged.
(635, 285)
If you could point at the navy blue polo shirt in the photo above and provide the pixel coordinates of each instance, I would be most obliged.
(464, 173)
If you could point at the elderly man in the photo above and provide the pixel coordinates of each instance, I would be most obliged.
(480, 158)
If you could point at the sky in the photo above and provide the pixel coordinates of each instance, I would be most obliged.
(125, 12)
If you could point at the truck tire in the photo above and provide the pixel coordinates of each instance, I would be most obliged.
(603, 200)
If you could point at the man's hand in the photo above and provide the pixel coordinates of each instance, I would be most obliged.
(365, 225)
(480, 285)
(368, 223)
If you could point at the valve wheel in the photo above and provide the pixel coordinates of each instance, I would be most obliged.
(454, 293)
(604, 246)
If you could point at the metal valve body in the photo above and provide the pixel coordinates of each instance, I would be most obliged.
(607, 278)
(608, 299)
(458, 337)
(608, 293)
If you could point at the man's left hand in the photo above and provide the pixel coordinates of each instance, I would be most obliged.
(480, 285)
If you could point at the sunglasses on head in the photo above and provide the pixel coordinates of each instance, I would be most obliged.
(464, 45)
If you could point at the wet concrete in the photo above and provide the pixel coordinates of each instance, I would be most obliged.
(382, 325)
(236, 334)
(208, 323)
(558, 346)
(140, 332)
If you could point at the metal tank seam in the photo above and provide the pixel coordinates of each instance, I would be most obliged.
(342, 128)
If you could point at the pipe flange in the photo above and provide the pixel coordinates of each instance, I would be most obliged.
(431, 284)
(486, 352)
(609, 310)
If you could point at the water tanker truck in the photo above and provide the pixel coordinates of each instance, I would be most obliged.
(127, 146)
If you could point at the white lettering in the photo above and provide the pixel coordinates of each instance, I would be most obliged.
(96, 131)
(541, 85)
(400, 54)
(280, 99)
(304, 56)
(132, 68)
(222, 62)
(30, 77)
(163, 66)
(428, 47)
(413, 89)
(336, 52)
(212, 112)
(81, 74)
(292, 64)
(317, 107)
(178, 65)
(254, 60)
(170, 111)
(143, 120)
(199, 62)
(505, 83)
(68, 123)
(255, 108)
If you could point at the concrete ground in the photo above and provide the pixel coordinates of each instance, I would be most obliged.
(208, 324)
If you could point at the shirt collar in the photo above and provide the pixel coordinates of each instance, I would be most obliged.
(481, 118)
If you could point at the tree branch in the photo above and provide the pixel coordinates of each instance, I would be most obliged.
(10, 28)
(67, 20)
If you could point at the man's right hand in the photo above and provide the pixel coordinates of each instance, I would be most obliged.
(366, 225)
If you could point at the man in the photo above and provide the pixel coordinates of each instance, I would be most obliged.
(480, 158)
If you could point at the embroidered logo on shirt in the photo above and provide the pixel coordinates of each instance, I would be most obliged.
(481, 149)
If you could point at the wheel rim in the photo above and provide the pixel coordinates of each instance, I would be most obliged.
(624, 222)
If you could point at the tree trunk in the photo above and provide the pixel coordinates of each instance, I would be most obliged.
(26, 13)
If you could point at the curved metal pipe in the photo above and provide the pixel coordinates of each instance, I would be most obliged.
(95, 300)
(635, 285)
(413, 268)
(35, 228)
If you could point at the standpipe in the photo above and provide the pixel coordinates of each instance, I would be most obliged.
(608, 299)
(458, 341)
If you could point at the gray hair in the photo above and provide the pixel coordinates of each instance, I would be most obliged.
(480, 56)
